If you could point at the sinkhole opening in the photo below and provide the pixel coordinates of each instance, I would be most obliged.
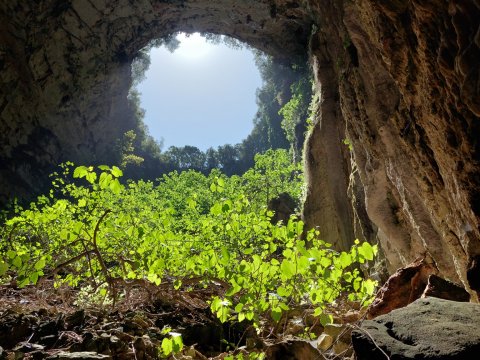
(200, 94)
(203, 101)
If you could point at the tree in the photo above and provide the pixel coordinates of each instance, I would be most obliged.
(228, 157)
(184, 158)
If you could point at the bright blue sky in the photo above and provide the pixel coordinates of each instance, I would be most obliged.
(201, 95)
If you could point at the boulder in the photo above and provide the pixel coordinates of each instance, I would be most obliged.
(428, 328)
(294, 350)
(444, 289)
(403, 287)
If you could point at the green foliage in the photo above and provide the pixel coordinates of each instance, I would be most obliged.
(185, 158)
(128, 149)
(274, 173)
(92, 231)
(171, 345)
(249, 356)
(348, 143)
(312, 111)
(292, 112)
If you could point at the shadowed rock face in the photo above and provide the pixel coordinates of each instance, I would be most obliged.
(400, 80)
(65, 69)
(408, 82)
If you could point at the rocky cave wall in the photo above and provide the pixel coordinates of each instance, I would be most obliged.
(65, 70)
(407, 82)
(398, 79)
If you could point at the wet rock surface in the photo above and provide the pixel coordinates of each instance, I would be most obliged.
(429, 328)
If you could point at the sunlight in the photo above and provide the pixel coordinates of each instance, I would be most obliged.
(201, 102)
(193, 46)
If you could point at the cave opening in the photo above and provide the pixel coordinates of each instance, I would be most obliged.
(202, 101)
(201, 94)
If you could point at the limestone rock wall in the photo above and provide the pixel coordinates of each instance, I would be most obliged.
(398, 79)
(407, 82)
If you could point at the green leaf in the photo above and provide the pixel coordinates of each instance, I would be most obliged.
(326, 319)
(116, 172)
(167, 346)
(115, 186)
(288, 269)
(239, 307)
(105, 180)
(348, 276)
(284, 292)
(91, 177)
(368, 286)
(191, 203)
(241, 316)
(166, 330)
(276, 314)
(177, 342)
(216, 209)
(248, 251)
(344, 260)
(177, 284)
(226, 207)
(17, 262)
(40, 264)
(325, 262)
(80, 172)
(3, 268)
(367, 251)
(357, 283)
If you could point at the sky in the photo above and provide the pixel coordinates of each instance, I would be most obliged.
(201, 95)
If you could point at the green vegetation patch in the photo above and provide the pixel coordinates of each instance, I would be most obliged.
(92, 231)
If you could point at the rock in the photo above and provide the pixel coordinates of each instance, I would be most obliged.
(351, 316)
(283, 207)
(81, 355)
(294, 350)
(295, 326)
(74, 320)
(15, 328)
(336, 337)
(473, 271)
(403, 287)
(342, 349)
(429, 328)
(339, 331)
(26, 347)
(324, 342)
(444, 289)
(48, 340)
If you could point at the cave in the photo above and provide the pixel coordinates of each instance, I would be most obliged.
(398, 80)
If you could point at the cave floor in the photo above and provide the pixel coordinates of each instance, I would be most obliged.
(48, 322)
